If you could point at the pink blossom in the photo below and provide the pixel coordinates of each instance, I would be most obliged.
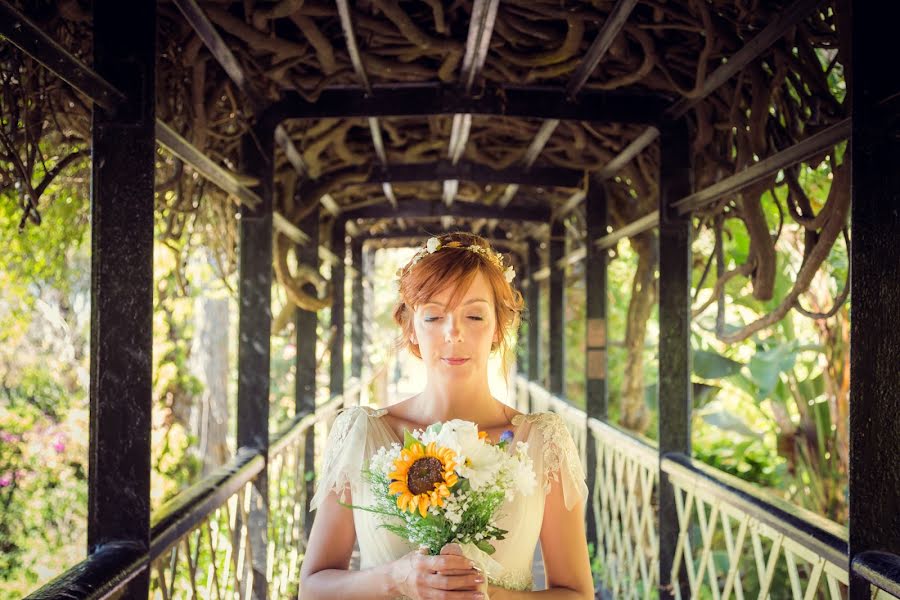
(59, 445)
(5, 480)
(8, 437)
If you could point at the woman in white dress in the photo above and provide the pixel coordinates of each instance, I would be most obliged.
(456, 307)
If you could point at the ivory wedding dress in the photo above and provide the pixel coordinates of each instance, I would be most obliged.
(359, 431)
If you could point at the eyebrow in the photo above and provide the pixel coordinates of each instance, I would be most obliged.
(464, 303)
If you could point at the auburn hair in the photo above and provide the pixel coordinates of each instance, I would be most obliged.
(457, 267)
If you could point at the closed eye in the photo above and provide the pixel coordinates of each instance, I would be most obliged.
(476, 318)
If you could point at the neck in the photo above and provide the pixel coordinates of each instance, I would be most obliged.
(470, 400)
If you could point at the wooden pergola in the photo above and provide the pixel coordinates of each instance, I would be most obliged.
(558, 117)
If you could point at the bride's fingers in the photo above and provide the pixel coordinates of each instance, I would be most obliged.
(452, 548)
(471, 582)
(452, 572)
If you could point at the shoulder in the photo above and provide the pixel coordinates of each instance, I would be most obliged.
(353, 417)
(549, 424)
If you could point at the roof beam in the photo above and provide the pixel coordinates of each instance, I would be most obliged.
(616, 20)
(811, 146)
(208, 33)
(413, 209)
(752, 50)
(444, 170)
(33, 41)
(356, 59)
(424, 99)
(481, 27)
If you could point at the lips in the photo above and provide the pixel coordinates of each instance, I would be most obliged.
(455, 361)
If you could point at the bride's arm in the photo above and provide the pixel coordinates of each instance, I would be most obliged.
(564, 548)
(325, 571)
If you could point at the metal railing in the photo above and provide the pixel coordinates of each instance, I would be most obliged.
(735, 540)
(201, 544)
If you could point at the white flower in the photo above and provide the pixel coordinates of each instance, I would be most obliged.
(509, 273)
(433, 245)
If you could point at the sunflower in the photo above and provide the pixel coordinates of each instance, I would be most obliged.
(423, 476)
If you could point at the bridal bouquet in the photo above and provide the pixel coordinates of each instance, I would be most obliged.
(446, 483)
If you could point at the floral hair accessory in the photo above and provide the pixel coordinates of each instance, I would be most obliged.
(434, 244)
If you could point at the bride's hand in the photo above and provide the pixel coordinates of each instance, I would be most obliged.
(448, 576)
(456, 549)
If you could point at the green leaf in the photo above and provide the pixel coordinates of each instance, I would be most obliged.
(309, 475)
(766, 366)
(485, 547)
(711, 365)
(727, 421)
(434, 428)
(409, 440)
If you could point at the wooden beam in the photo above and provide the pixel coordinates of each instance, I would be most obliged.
(613, 25)
(748, 53)
(122, 284)
(254, 336)
(811, 146)
(208, 33)
(874, 484)
(336, 355)
(557, 313)
(411, 209)
(423, 99)
(31, 39)
(305, 338)
(763, 41)
(674, 388)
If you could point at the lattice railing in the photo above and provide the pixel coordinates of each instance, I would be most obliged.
(625, 504)
(736, 541)
(732, 544)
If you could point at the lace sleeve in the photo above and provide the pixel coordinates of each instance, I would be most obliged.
(344, 455)
(561, 461)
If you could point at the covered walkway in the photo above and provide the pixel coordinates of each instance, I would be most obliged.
(362, 125)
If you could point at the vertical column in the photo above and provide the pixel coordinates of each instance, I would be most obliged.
(534, 316)
(123, 151)
(557, 317)
(875, 290)
(595, 365)
(306, 338)
(357, 309)
(521, 282)
(339, 247)
(675, 182)
(254, 327)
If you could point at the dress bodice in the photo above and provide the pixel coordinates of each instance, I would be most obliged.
(358, 432)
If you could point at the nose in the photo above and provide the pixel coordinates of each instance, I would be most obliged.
(452, 332)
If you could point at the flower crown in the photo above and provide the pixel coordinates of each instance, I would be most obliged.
(434, 244)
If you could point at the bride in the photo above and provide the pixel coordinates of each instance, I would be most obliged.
(456, 307)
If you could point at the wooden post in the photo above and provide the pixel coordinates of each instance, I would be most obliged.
(357, 310)
(557, 316)
(306, 338)
(123, 146)
(254, 335)
(534, 316)
(874, 486)
(674, 334)
(596, 399)
(339, 247)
